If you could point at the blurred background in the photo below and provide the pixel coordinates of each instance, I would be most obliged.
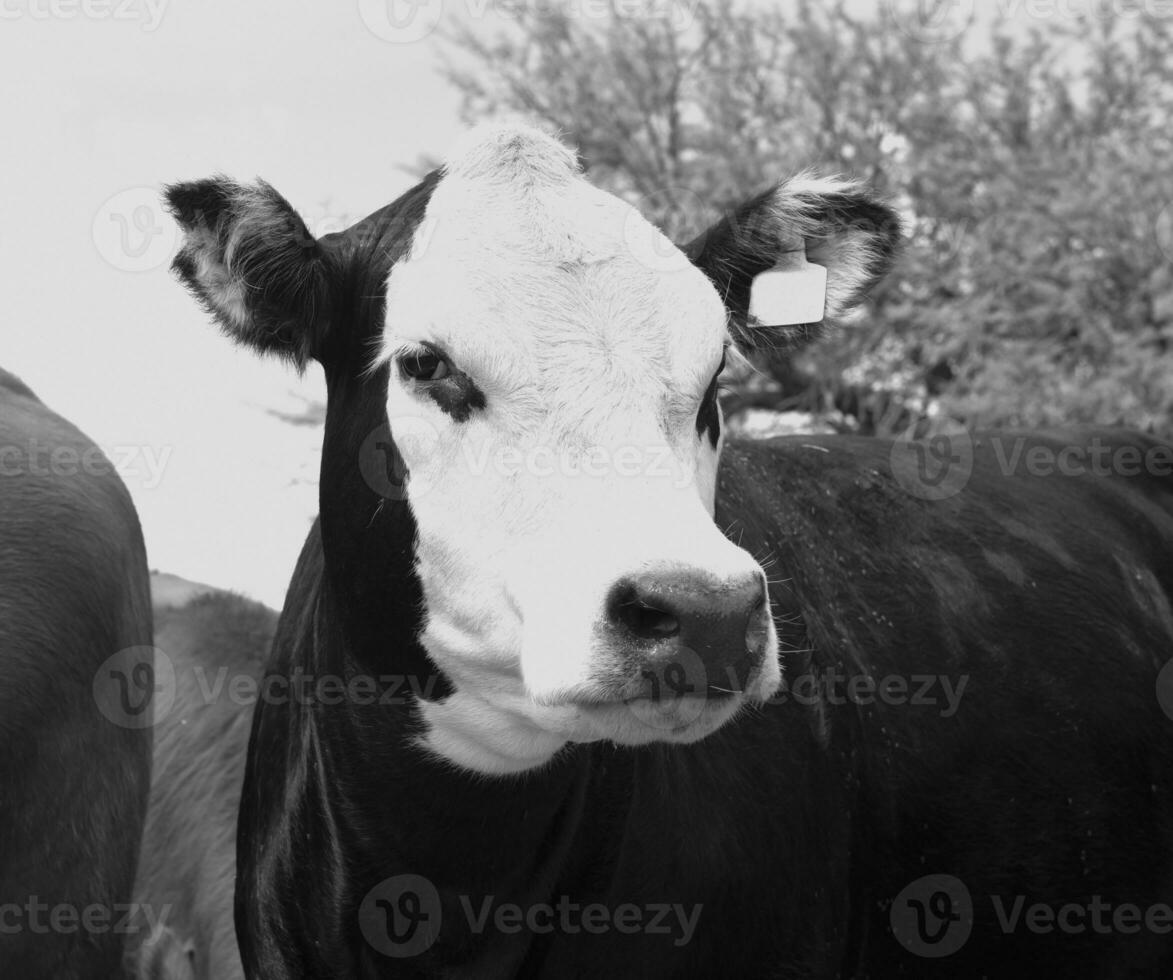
(1028, 144)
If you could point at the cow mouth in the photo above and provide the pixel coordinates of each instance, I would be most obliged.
(713, 694)
(641, 720)
(728, 682)
(736, 682)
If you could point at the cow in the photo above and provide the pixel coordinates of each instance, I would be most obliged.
(214, 645)
(75, 739)
(611, 695)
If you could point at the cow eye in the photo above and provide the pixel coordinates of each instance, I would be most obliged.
(424, 365)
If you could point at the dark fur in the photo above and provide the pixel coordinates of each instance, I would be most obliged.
(275, 259)
(794, 826)
(73, 785)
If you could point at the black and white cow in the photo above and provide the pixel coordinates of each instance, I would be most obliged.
(573, 741)
(75, 737)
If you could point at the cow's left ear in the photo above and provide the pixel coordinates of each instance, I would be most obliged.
(838, 225)
(250, 260)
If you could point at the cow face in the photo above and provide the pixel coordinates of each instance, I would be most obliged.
(551, 369)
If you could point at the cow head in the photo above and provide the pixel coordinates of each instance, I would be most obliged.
(548, 364)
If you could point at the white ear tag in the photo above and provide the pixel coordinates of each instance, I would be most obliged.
(791, 293)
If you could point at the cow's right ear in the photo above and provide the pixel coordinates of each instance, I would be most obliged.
(249, 259)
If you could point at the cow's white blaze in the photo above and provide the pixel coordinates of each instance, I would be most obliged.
(584, 464)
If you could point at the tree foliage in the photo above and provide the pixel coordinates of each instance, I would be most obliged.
(1032, 166)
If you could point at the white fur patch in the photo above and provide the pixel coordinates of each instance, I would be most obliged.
(512, 153)
(583, 468)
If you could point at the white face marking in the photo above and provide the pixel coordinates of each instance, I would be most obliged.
(583, 467)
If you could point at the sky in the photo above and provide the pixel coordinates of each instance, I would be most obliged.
(104, 101)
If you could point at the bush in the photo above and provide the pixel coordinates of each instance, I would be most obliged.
(1032, 167)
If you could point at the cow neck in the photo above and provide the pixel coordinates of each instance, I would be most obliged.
(406, 811)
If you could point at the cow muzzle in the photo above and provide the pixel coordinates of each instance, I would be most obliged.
(681, 633)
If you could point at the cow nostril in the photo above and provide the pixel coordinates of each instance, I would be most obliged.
(642, 618)
(647, 621)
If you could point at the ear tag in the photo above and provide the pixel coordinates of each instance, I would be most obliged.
(793, 292)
